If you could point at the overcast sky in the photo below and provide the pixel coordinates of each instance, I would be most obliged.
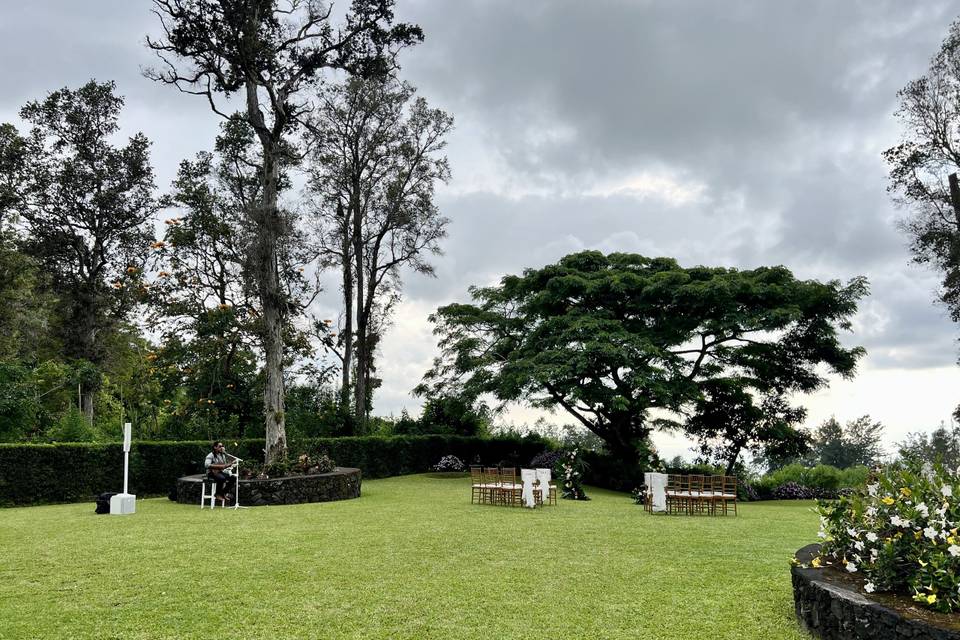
(720, 133)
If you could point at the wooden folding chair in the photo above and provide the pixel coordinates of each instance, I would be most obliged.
(544, 477)
(491, 482)
(678, 493)
(699, 502)
(476, 484)
(510, 490)
(729, 494)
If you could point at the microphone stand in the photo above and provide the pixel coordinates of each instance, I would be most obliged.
(235, 465)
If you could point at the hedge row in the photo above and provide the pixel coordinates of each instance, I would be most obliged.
(74, 472)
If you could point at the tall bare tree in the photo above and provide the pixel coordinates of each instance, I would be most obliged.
(270, 52)
(374, 171)
(86, 205)
(922, 164)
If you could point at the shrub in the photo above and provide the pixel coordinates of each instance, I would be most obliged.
(900, 534)
(450, 464)
(546, 459)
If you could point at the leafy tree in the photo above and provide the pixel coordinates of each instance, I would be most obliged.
(728, 420)
(921, 164)
(373, 176)
(942, 444)
(270, 52)
(87, 205)
(857, 443)
(454, 415)
(611, 338)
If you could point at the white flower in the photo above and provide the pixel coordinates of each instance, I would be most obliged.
(930, 532)
(871, 512)
(872, 489)
(928, 471)
(858, 545)
(822, 534)
(874, 554)
(869, 587)
(922, 508)
(946, 490)
(872, 537)
(852, 532)
(954, 550)
(852, 568)
(897, 521)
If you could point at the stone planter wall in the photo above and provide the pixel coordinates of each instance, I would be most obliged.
(830, 605)
(343, 483)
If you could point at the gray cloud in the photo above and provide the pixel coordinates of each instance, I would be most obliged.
(735, 134)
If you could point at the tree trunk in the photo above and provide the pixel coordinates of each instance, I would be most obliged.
(346, 334)
(269, 229)
(86, 404)
(360, 382)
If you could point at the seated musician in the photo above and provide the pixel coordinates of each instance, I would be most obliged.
(218, 470)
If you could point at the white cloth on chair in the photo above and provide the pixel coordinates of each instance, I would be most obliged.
(528, 477)
(544, 477)
(657, 482)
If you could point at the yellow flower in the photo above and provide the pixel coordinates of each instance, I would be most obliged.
(815, 563)
(931, 598)
(951, 540)
(922, 563)
(887, 500)
(905, 492)
(917, 534)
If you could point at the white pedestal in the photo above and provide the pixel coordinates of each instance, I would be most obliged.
(123, 504)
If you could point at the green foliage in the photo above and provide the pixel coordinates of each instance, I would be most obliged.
(72, 427)
(609, 338)
(942, 445)
(821, 478)
(857, 443)
(900, 534)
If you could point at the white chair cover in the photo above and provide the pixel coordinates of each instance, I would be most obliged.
(658, 490)
(528, 477)
(544, 477)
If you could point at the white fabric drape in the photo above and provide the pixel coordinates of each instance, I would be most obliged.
(528, 477)
(543, 478)
(658, 488)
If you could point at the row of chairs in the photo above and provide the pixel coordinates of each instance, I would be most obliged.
(698, 495)
(499, 485)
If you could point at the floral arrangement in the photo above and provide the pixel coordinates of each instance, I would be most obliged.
(450, 463)
(571, 469)
(899, 533)
(304, 464)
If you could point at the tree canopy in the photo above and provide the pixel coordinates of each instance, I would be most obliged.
(611, 339)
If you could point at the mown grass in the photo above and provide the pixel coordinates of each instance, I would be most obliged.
(412, 558)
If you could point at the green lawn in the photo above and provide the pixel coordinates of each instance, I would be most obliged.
(412, 558)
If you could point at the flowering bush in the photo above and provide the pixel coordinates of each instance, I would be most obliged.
(546, 460)
(571, 469)
(639, 496)
(450, 463)
(900, 534)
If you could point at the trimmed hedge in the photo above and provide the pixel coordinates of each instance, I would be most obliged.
(75, 472)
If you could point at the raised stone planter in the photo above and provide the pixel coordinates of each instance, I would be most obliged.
(343, 483)
(830, 604)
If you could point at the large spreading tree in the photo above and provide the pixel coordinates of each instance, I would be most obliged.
(270, 53)
(614, 338)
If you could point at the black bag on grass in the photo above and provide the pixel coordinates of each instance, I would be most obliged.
(103, 502)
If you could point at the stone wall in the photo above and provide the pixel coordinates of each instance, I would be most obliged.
(830, 606)
(343, 483)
